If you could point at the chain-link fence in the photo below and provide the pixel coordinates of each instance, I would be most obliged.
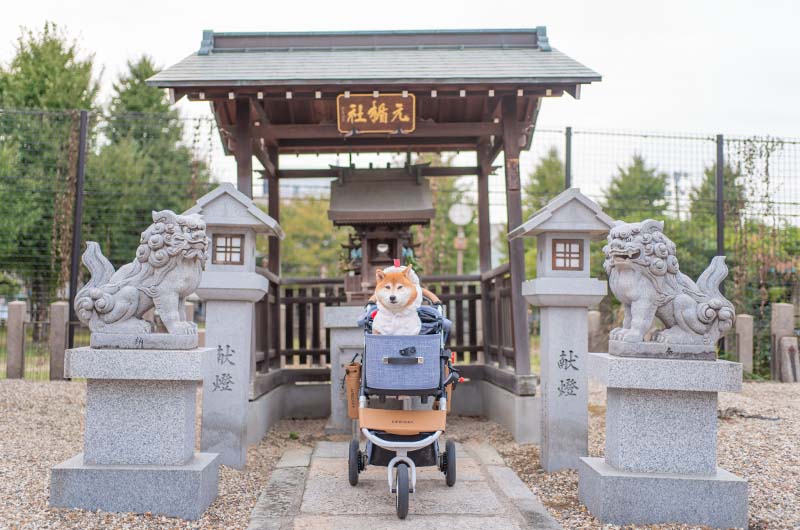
(673, 177)
(134, 164)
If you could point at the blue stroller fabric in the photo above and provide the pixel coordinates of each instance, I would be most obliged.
(428, 315)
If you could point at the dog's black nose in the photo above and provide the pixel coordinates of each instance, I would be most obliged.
(393, 298)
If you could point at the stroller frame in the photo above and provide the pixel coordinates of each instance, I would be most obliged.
(445, 461)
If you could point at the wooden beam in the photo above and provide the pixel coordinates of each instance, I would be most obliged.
(378, 144)
(260, 152)
(334, 172)
(244, 148)
(516, 249)
(263, 129)
(424, 129)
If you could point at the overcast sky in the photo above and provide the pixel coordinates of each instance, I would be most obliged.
(730, 66)
(706, 66)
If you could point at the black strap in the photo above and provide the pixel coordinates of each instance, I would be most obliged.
(403, 360)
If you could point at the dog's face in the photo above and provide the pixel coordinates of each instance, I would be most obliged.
(395, 291)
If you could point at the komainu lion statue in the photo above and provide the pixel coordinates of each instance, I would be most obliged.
(644, 275)
(168, 267)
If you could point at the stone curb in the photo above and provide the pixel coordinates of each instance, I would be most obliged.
(486, 454)
(280, 501)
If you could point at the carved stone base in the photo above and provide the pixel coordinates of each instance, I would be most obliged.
(143, 341)
(660, 350)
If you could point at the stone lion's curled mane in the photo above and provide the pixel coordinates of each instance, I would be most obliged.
(657, 259)
(161, 246)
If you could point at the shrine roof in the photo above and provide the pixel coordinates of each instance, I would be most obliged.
(514, 56)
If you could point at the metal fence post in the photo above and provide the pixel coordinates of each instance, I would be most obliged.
(720, 196)
(568, 158)
(77, 220)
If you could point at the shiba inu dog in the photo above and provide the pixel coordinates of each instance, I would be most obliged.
(398, 295)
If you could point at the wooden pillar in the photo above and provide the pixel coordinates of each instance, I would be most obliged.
(516, 248)
(274, 263)
(484, 240)
(274, 211)
(244, 148)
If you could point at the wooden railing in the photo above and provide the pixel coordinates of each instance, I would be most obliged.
(496, 296)
(305, 340)
(460, 296)
(290, 331)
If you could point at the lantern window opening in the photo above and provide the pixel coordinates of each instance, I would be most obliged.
(228, 249)
(567, 255)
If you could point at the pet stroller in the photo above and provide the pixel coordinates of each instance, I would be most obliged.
(403, 366)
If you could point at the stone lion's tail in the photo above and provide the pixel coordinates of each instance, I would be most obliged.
(716, 306)
(90, 297)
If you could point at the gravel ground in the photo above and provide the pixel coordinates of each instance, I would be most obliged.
(41, 424)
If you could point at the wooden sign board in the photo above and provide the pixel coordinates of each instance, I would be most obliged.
(387, 113)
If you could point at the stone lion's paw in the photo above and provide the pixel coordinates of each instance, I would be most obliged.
(617, 334)
(184, 328)
(632, 337)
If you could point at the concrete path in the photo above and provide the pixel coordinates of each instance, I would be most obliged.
(309, 490)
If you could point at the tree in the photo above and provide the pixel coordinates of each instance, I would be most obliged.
(313, 246)
(140, 111)
(546, 181)
(637, 192)
(703, 198)
(46, 73)
(436, 254)
(39, 157)
(142, 167)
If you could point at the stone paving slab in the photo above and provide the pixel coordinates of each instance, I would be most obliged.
(295, 458)
(429, 522)
(310, 490)
(331, 450)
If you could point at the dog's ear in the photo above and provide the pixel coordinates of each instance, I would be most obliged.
(379, 275)
(407, 272)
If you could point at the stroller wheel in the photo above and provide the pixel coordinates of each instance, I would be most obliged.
(401, 487)
(353, 462)
(450, 463)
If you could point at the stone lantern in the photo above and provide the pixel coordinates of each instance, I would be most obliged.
(563, 291)
(230, 288)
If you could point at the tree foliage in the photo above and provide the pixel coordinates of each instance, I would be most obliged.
(436, 253)
(47, 73)
(546, 181)
(636, 192)
(39, 156)
(141, 166)
(312, 246)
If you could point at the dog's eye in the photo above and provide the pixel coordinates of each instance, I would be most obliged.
(388, 287)
(399, 287)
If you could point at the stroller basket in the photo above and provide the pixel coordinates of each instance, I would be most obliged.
(403, 363)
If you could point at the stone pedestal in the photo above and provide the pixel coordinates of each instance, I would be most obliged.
(140, 435)
(230, 329)
(660, 462)
(346, 340)
(563, 307)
